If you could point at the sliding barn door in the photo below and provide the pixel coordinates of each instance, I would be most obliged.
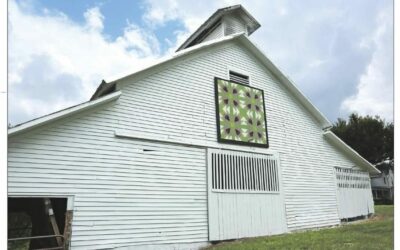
(353, 193)
(245, 197)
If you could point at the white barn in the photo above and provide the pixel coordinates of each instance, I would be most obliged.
(146, 162)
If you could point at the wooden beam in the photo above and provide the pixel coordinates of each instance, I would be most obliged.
(50, 211)
(67, 228)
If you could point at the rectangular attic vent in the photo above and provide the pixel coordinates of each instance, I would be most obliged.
(239, 78)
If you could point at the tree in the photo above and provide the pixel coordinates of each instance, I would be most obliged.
(389, 140)
(370, 136)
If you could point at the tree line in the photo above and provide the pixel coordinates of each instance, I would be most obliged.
(370, 136)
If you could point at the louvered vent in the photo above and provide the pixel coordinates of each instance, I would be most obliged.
(349, 178)
(234, 171)
(239, 78)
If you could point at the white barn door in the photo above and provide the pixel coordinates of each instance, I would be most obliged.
(353, 193)
(245, 197)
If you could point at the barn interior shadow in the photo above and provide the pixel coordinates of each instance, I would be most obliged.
(30, 217)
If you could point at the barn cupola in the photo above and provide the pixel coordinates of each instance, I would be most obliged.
(224, 22)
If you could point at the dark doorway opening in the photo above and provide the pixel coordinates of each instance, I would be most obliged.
(33, 217)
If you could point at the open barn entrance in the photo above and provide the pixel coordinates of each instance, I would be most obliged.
(37, 223)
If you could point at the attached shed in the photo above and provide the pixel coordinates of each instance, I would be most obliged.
(214, 143)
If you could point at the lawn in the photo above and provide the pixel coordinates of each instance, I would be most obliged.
(374, 233)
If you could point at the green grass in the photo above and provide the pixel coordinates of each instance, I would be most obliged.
(374, 233)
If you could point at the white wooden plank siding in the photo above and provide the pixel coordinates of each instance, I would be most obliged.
(245, 198)
(218, 32)
(127, 192)
(233, 25)
(115, 182)
(354, 193)
(184, 90)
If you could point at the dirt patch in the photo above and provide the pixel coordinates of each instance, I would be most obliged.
(377, 218)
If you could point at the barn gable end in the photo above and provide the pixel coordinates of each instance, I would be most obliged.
(138, 167)
(307, 159)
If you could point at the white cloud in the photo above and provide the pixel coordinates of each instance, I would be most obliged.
(190, 13)
(140, 41)
(50, 52)
(159, 12)
(94, 19)
(283, 12)
(374, 94)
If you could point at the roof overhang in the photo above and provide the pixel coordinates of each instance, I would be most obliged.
(109, 83)
(61, 114)
(361, 161)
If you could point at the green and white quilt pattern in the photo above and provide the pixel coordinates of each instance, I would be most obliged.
(241, 113)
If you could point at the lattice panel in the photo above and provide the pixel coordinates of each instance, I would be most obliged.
(349, 178)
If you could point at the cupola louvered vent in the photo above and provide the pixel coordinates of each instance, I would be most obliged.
(239, 78)
(234, 20)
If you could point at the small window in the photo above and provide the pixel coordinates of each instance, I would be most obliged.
(239, 78)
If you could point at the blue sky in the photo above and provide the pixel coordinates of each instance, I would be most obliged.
(339, 53)
(116, 13)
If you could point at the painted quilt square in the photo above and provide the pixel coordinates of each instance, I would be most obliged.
(240, 113)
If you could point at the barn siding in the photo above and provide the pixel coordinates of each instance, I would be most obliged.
(218, 32)
(186, 90)
(233, 25)
(244, 212)
(124, 196)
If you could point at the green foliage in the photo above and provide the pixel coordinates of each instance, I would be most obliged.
(376, 233)
(370, 136)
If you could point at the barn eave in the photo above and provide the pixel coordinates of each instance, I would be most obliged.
(341, 145)
(62, 113)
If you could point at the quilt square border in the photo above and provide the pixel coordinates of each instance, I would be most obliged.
(217, 116)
